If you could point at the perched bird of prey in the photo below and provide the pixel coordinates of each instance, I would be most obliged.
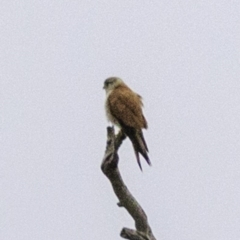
(124, 109)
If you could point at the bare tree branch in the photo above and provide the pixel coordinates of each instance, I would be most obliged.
(110, 169)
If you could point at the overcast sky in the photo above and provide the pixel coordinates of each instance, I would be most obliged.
(183, 57)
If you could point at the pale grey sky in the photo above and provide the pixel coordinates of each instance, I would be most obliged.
(183, 57)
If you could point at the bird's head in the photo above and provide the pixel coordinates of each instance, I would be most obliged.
(111, 83)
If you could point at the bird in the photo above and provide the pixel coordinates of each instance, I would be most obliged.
(124, 109)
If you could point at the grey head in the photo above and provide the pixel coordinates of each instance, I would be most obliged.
(111, 83)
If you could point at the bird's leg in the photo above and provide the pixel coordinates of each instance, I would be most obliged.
(119, 139)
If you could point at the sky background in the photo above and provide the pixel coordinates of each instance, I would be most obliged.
(183, 57)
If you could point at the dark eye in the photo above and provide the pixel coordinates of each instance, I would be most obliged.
(109, 82)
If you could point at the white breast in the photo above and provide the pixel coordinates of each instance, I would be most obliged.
(108, 112)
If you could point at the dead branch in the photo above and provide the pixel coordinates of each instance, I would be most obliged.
(110, 169)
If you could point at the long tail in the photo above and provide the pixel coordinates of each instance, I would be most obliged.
(139, 144)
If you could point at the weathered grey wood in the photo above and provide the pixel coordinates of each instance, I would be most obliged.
(110, 169)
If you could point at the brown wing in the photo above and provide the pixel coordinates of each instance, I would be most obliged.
(126, 107)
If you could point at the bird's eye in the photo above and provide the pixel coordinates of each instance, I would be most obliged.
(109, 82)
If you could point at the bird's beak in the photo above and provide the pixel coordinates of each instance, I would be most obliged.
(103, 87)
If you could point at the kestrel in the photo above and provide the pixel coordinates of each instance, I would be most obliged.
(124, 109)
